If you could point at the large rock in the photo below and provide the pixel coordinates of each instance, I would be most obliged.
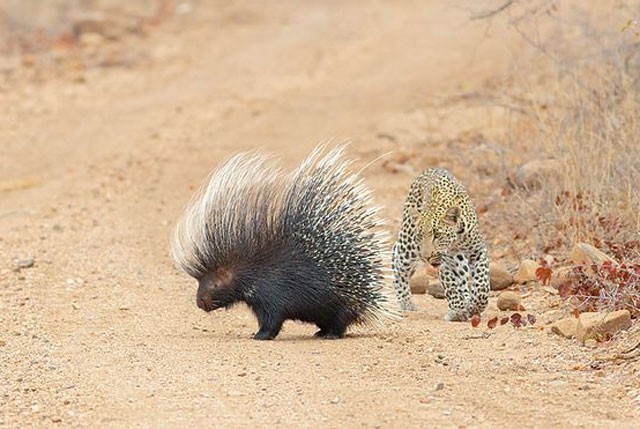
(583, 253)
(419, 282)
(499, 277)
(600, 325)
(566, 327)
(509, 300)
(526, 271)
(534, 174)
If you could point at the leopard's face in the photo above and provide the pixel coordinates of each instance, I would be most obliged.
(437, 234)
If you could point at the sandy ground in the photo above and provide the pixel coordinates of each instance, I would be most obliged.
(97, 164)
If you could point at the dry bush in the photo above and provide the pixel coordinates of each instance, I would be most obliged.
(581, 80)
(604, 287)
(596, 136)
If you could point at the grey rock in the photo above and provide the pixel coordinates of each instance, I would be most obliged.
(436, 290)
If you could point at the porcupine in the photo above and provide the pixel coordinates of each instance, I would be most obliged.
(302, 246)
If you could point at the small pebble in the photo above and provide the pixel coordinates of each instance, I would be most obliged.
(509, 300)
(436, 290)
(23, 263)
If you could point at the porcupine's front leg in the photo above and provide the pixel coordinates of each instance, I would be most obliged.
(269, 323)
(403, 265)
(454, 277)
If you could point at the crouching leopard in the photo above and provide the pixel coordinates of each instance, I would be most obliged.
(440, 226)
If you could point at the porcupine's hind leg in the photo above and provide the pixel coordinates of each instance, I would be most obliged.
(331, 328)
(335, 326)
(333, 332)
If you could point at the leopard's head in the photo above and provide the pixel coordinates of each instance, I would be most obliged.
(437, 233)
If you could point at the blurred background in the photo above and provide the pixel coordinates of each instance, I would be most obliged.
(112, 112)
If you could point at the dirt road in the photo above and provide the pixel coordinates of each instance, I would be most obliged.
(96, 165)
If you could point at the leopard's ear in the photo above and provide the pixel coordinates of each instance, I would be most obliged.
(452, 216)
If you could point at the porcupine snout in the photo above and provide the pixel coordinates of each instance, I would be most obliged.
(203, 297)
(216, 289)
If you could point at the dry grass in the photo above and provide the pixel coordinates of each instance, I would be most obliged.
(581, 80)
(585, 112)
(595, 134)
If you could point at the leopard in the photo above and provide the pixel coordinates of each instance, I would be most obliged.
(440, 227)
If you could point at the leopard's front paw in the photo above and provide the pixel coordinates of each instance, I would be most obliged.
(456, 316)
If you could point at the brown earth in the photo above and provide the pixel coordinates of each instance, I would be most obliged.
(97, 162)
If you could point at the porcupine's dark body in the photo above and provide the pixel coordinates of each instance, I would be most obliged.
(304, 246)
